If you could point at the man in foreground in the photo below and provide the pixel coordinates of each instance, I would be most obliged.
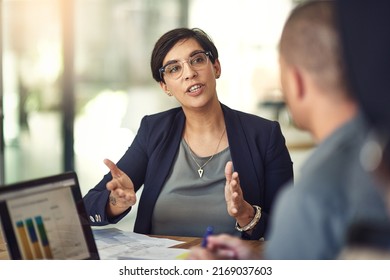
(311, 219)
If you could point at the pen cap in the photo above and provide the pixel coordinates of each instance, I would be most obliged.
(209, 230)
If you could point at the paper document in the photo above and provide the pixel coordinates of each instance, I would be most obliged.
(156, 253)
(113, 243)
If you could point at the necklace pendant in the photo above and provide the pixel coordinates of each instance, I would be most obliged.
(200, 172)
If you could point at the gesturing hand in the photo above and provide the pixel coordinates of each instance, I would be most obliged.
(237, 207)
(233, 192)
(122, 189)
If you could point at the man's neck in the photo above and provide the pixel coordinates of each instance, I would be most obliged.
(327, 122)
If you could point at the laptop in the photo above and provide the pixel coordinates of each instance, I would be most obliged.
(45, 218)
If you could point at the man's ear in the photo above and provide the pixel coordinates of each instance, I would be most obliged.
(298, 80)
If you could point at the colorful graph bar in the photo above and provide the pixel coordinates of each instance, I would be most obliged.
(43, 236)
(24, 240)
(34, 239)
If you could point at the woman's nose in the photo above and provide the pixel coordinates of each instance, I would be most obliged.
(188, 71)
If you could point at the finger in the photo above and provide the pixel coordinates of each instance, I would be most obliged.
(221, 242)
(234, 203)
(235, 177)
(112, 185)
(115, 171)
(235, 184)
(234, 188)
(234, 247)
(131, 197)
(121, 193)
(199, 253)
(226, 254)
(228, 170)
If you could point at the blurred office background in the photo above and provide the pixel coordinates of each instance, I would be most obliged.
(75, 78)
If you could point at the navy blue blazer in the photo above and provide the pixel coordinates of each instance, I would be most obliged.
(257, 148)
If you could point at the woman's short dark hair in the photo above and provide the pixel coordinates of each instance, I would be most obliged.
(169, 39)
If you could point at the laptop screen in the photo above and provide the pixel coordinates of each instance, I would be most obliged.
(46, 219)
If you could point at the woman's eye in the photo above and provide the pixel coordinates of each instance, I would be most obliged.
(174, 68)
(197, 60)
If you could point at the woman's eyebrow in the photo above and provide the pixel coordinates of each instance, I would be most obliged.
(191, 55)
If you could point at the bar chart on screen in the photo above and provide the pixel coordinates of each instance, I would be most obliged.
(35, 244)
(46, 230)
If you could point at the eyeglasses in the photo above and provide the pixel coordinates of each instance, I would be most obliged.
(174, 69)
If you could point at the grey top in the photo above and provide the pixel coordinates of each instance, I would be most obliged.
(312, 217)
(188, 204)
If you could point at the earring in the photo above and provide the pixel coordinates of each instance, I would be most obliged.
(169, 93)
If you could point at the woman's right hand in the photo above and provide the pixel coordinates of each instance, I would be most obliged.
(122, 194)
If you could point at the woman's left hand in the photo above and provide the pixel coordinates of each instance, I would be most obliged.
(237, 207)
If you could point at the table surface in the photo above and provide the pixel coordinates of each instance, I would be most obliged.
(188, 243)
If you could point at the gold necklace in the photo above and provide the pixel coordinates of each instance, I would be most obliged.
(200, 170)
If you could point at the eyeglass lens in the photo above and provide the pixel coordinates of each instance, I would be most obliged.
(175, 70)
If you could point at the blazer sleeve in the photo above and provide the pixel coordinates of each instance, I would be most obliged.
(96, 199)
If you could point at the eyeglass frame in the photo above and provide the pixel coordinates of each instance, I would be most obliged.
(161, 70)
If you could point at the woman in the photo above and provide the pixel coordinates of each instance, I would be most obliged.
(184, 157)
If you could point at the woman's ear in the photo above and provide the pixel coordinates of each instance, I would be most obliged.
(217, 68)
(165, 88)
